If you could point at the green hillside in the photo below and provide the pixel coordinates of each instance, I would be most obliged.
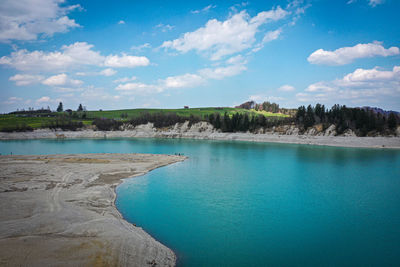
(8, 122)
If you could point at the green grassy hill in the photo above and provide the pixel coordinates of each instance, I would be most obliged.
(200, 112)
(13, 121)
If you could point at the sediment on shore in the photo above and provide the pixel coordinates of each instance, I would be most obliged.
(202, 130)
(58, 210)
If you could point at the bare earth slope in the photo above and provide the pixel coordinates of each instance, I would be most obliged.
(58, 210)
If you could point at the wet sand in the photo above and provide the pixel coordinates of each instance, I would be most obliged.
(58, 210)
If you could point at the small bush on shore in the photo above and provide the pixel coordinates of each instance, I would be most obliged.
(103, 124)
(63, 123)
(23, 127)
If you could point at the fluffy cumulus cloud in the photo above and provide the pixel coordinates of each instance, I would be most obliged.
(222, 38)
(186, 80)
(43, 99)
(233, 66)
(25, 79)
(61, 80)
(27, 19)
(70, 57)
(125, 79)
(108, 72)
(360, 85)
(286, 88)
(138, 88)
(125, 61)
(346, 55)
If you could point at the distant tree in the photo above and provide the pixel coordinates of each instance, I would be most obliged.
(60, 107)
(301, 113)
(247, 105)
(80, 108)
(309, 119)
(392, 121)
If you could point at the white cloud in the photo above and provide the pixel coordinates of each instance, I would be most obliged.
(125, 61)
(271, 35)
(108, 72)
(286, 88)
(360, 85)
(43, 99)
(141, 47)
(74, 55)
(263, 98)
(221, 38)
(173, 82)
(138, 88)
(222, 72)
(125, 79)
(374, 3)
(70, 57)
(233, 66)
(105, 72)
(319, 87)
(61, 79)
(164, 27)
(121, 22)
(182, 81)
(27, 19)
(268, 37)
(205, 9)
(25, 79)
(12, 100)
(347, 55)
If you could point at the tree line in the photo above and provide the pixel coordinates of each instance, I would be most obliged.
(242, 122)
(360, 120)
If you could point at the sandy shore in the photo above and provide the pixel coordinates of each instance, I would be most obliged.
(58, 210)
(147, 132)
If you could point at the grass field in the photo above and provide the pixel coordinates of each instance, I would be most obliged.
(200, 112)
(12, 121)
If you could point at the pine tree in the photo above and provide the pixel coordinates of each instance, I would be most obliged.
(60, 107)
(80, 108)
(392, 122)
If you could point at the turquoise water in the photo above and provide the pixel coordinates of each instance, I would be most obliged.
(249, 204)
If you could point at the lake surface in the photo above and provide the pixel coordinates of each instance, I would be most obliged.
(252, 204)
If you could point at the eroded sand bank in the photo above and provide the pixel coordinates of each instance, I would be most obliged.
(58, 210)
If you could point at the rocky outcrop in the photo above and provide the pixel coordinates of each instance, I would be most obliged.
(330, 131)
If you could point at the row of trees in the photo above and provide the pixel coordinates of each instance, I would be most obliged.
(242, 122)
(360, 120)
(60, 108)
(159, 120)
(237, 122)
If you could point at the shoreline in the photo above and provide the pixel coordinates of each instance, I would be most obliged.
(67, 204)
(337, 141)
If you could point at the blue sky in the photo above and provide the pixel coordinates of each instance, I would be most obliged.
(167, 54)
